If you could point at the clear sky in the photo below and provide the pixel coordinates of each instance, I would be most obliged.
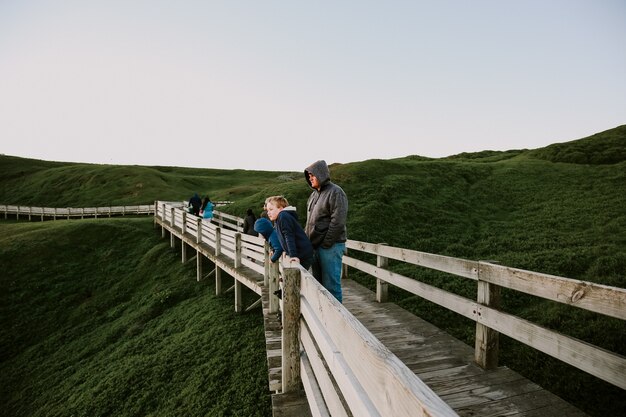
(276, 85)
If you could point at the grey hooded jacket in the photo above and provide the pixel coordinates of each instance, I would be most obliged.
(327, 209)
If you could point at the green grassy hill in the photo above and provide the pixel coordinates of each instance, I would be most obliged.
(99, 318)
(558, 210)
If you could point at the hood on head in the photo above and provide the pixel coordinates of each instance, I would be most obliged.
(320, 170)
(264, 227)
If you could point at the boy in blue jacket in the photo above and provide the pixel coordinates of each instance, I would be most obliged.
(294, 241)
(264, 227)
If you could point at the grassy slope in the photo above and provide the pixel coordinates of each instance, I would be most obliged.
(99, 318)
(548, 210)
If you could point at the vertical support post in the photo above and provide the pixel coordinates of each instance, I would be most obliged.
(266, 264)
(291, 330)
(237, 250)
(82, 213)
(238, 302)
(183, 245)
(274, 301)
(30, 213)
(55, 213)
(218, 281)
(68, 213)
(109, 211)
(172, 222)
(199, 258)
(487, 340)
(218, 241)
(382, 287)
(198, 231)
(163, 221)
(156, 212)
(218, 252)
(199, 255)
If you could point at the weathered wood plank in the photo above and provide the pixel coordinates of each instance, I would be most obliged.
(610, 301)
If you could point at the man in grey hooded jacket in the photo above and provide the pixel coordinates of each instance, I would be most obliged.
(327, 212)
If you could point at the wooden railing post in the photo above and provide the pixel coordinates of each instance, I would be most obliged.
(199, 255)
(273, 286)
(238, 303)
(237, 250)
(382, 287)
(291, 330)
(172, 222)
(266, 263)
(218, 252)
(218, 241)
(487, 340)
(163, 221)
(183, 246)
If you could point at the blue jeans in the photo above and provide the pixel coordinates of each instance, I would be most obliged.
(327, 268)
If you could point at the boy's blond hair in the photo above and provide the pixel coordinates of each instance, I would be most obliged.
(277, 200)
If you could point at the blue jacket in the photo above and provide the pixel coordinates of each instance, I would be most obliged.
(291, 235)
(264, 227)
(208, 210)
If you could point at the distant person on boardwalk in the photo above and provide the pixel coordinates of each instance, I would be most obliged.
(327, 212)
(194, 204)
(292, 238)
(264, 227)
(248, 223)
(207, 208)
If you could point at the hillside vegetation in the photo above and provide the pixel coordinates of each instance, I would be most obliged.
(557, 210)
(99, 318)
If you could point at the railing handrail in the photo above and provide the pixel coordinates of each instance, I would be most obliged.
(366, 395)
(601, 299)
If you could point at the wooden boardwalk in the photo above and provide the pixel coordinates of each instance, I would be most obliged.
(443, 362)
(447, 365)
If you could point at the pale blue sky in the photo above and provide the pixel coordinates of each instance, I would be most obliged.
(276, 85)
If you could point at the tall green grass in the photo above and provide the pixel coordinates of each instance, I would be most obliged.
(99, 318)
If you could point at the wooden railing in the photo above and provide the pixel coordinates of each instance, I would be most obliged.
(328, 344)
(318, 332)
(325, 347)
(601, 299)
(101, 211)
(69, 212)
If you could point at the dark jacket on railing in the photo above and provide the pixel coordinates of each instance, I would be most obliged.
(291, 235)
